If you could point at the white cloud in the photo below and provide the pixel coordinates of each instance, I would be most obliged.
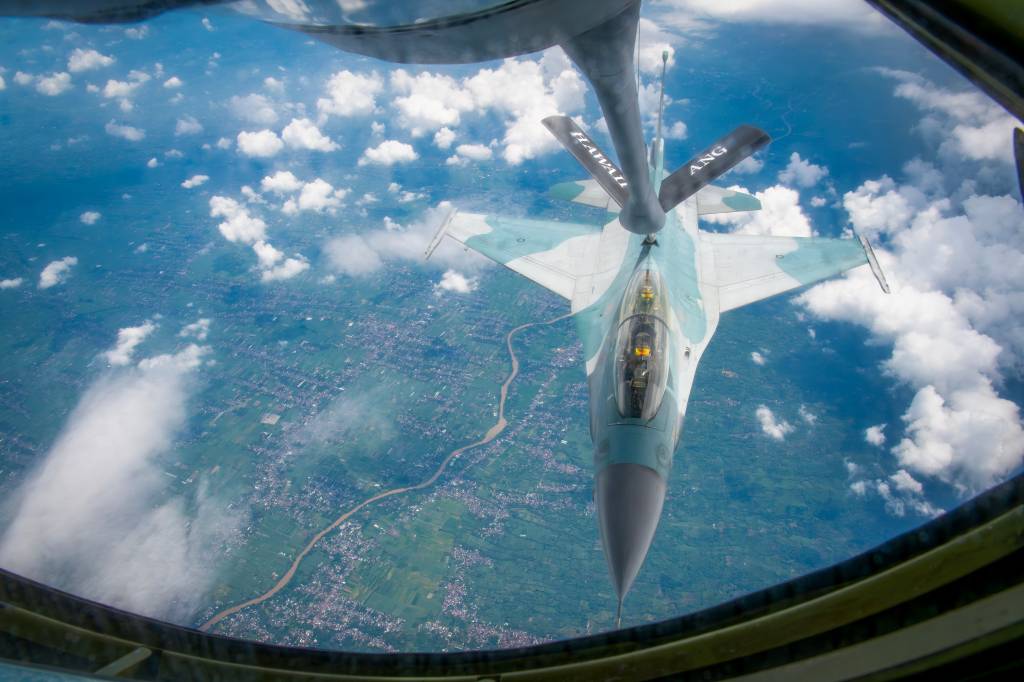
(263, 143)
(757, 358)
(961, 123)
(128, 339)
(772, 428)
(89, 217)
(751, 164)
(352, 255)
(904, 481)
(195, 181)
(350, 94)
(254, 108)
(238, 225)
(286, 270)
(126, 132)
(807, 415)
(56, 272)
(266, 254)
(953, 321)
(520, 91)
(187, 125)
(137, 32)
(22, 78)
(123, 89)
(849, 14)
(158, 558)
(475, 152)
(281, 182)
(174, 154)
(87, 60)
(207, 24)
(54, 84)
(875, 435)
(198, 330)
(12, 283)
(318, 195)
(302, 133)
(224, 143)
(818, 202)
(456, 282)
(444, 137)
(273, 84)
(801, 172)
(173, 82)
(387, 153)
(780, 214)
(676, 131)
(152, 163)
(3, 83)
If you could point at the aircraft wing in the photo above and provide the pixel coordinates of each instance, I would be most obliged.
(748, 268)
(552, 254)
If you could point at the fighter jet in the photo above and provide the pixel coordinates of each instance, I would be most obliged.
(646, 305)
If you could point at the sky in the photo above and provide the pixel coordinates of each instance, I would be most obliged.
(262, 138)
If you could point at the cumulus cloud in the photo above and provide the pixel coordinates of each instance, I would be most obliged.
(302, 133)
(22, 78)
(757, 358)
(318, 195)
(54, 84)
(12, 283)
(238, 225)
(125, 132)
(772, 428)
(195, 181)
(474, 152)
(3, 83)
(187, 125)
(56, 272)
(285, 270)
(173, 82)
(875, 435)
(198, 330)
(352, 255)
(751, 164)
(281, 182)
(128, 339)
(953, 320)
(158, 558)
(780, 214)
(89, 217)
(801, 172)
(254, 108)
(808, 416)
(456, 282)
(350, 94)
(520, 91)
(152, 163)
(676, 131)
(962, 123)
(653, 41)
(87, 60)
(387, 153)
(444, 137)
(262, 143)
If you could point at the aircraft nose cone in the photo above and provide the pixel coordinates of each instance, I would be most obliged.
(629, 498)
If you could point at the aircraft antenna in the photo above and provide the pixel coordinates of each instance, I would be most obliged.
(661, 103)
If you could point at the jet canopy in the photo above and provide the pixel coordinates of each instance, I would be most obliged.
(641, 346)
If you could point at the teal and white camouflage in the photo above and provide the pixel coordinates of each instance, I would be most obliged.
(646, 307)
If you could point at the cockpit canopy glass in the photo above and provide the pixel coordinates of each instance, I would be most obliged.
(641, 347)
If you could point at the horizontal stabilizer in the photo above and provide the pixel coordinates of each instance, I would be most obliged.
(709, 164)
(586, 192)
(712, 199)
(590, 156)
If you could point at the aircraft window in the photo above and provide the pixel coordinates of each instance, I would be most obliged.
(641, 348)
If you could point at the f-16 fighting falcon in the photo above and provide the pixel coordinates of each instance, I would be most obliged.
(646, 294)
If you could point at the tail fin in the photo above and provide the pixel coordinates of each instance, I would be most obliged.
(590, 157)
(711, 163)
